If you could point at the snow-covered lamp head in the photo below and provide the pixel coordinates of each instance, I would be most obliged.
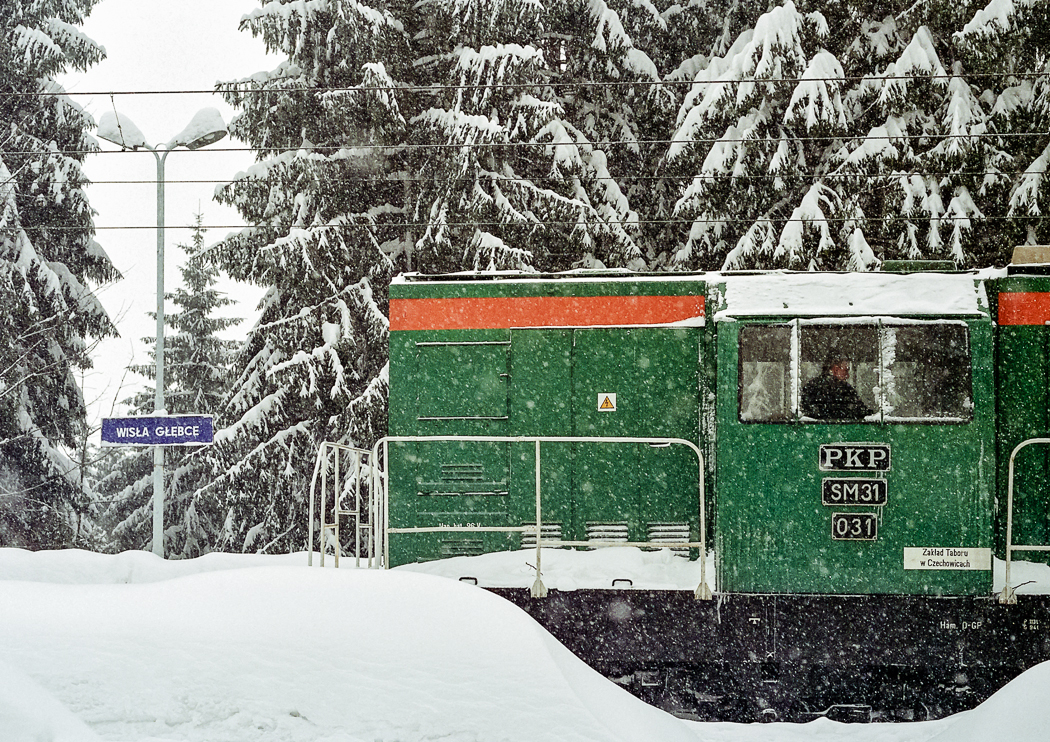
(205, 128)
(121, 131)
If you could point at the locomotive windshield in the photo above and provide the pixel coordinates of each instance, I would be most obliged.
(855, 371)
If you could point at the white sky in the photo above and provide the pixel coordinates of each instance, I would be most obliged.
(161, 45)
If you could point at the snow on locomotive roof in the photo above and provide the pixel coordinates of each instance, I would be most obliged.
(582, 275)
(789, 293)
(856, 294)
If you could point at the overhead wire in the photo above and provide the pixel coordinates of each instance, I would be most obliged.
(231, 87)
(597, 179)
(557, 223)
(400, 147)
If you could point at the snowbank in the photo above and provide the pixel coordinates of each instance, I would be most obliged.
(28, 713)
(76, 567)
(290, 653)
(563, 569)
(1017, 712)
(652, 570)
(233, 647)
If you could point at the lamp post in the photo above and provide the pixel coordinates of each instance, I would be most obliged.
(205, 128)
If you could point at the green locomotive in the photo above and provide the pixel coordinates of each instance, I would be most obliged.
(843, 442)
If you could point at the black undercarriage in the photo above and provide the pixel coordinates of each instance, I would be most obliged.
(796, 657)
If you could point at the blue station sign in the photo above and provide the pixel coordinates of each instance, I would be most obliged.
(162, 430)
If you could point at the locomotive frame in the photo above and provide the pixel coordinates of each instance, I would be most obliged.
(854, 575)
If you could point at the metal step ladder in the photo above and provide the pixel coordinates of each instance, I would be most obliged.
(342, 474)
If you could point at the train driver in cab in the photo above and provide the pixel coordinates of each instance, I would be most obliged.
(830, 396)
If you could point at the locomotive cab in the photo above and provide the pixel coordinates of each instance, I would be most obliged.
(856, 455)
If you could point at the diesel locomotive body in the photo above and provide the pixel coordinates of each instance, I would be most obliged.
(854, 548)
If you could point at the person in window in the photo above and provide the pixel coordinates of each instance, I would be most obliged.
(830, 396)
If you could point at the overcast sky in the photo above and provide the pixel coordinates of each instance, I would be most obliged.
(158, 45)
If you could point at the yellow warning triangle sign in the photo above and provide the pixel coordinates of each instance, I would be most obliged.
(607, 405)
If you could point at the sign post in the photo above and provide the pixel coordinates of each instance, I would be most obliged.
(158, 431)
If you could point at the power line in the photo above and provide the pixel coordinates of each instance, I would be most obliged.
(231, 87)
(616, 179)
(594, 144)
(559, 223)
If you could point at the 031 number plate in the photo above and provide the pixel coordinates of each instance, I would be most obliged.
(853, 491)
(854, 526)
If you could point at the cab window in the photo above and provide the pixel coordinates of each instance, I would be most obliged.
(927, 372)
(765, 373)
(850, 371)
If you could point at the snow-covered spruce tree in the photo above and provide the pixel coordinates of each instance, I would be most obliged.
(752, 140)
(1010, 42)
(426, 136)
(921, 176)
(326, 201)
(197, 363)
(680, 40)
(515, 157)
(835, 139)
(48, 262)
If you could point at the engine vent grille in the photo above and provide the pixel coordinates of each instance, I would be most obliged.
(551, 531)
(607, 532)
(464, 480)
(462, 472)
(671, 533)
(461, 547)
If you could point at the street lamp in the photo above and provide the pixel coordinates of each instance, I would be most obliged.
(205, 128)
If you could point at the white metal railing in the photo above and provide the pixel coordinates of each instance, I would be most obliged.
(379, 501)
(1008, 595)
(351, 470)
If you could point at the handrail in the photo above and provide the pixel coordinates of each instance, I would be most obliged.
(321, 469)
(380, 499)
(1008, 596)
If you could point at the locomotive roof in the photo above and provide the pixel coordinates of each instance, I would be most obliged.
(762, 293)
(851, 294)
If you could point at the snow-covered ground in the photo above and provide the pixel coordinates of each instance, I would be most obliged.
(235, 647)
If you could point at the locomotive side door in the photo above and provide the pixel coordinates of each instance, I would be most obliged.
(636, 382)
(607, 382)
(541, 374)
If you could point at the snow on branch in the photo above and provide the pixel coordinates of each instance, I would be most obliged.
(1028, 191)
(960, 210)
(879, 145)
(918, 58)
(992, 19)
(35, 46)
(808, 213)
(861, 256)
(963, 119)
(817, 99)
(759, 239)
(1014, 98)
(483, 71)
(773, 50)
(490, 253)
(461, 128)
(610, 36)
(376, 87)
(79, 49)
(248, 463)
